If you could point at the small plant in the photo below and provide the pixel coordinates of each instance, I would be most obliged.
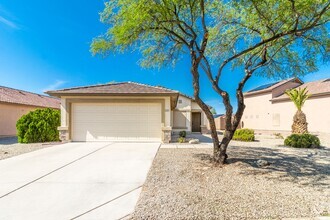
(181, 139)
(39, 126)
(244, 134)
(302, 141)
(278, 135)
(182, 134)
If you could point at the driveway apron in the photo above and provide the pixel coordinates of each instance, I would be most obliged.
(75, 181)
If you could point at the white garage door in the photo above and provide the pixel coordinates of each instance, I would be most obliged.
(116, 122)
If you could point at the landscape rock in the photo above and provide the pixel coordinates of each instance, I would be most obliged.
(194, 141)
(262, 163)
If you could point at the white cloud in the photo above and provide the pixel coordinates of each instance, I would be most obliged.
(8, 23)
(55, 85)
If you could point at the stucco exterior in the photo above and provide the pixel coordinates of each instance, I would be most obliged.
(67, 101)
(9, 114)
(169, 117)
(15, 103)
(181, 116)
(265, 111)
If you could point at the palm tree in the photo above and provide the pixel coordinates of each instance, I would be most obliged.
(298, 97)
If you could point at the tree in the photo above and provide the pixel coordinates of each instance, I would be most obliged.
(279, 37)
(299, 97)
(213, 111)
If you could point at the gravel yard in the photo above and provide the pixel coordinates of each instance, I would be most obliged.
(9, 147)
(184, 184)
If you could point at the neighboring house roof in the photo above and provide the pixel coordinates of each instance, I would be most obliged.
(122, 88)
(315, 88)
(270, 86)
(16, 96)
(218, 115)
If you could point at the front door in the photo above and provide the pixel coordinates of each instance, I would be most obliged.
(196, 122)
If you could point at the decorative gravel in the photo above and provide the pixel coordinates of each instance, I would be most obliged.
(9, 147)
(185, 184)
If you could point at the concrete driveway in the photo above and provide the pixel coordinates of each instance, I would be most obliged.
(75, 181)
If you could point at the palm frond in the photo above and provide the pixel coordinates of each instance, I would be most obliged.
(298, 96)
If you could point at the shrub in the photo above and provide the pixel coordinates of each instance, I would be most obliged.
(182, 134)
(181, 140)
(244, 134)
(302, 141)
(38, 126)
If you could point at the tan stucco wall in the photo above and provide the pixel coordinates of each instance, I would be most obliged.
(278, 116)
(187, 106)
(67, 100)
(258, 111)
(316, 110)
(9, 114)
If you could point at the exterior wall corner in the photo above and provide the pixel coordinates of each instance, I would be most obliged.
(63, 133)
(166, 134)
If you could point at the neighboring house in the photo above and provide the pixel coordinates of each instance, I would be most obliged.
(126, 111)
(220, 122)
(269, 108)
(14, 103)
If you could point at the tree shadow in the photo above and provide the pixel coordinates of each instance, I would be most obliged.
(297, 165)
(308, 167)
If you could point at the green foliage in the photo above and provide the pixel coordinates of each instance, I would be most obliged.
(181, 139)
(244, 134)
(298, 97)
(39, 126)
(302, 141)
(294, 32)
(182, 134)
(213, 111)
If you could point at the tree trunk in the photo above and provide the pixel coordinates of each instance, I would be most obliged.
(231, 124)
(299, 125)
(205, 108)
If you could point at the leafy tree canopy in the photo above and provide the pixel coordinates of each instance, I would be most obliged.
(292, 30)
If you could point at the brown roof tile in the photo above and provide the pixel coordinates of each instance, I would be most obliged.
(314, 88)
(124, 88)
(10, 95)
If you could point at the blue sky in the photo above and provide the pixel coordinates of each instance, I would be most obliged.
(44, 45)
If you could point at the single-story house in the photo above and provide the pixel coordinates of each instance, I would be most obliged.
(220, 122)
(126, 111)
(15, 103)
(269, 108)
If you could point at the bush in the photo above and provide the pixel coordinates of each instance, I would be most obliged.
(38, 126)
(181, 140)
(244, 134)
(302, 141)
(182, 134)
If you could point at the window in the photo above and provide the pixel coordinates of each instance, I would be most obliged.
(276, 119)
(180, 101)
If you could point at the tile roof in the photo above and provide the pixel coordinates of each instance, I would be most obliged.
(10, 95)
(269, 87)
(314, 88)
(123, 88)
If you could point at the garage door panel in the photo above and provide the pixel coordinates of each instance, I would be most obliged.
(116, 121)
